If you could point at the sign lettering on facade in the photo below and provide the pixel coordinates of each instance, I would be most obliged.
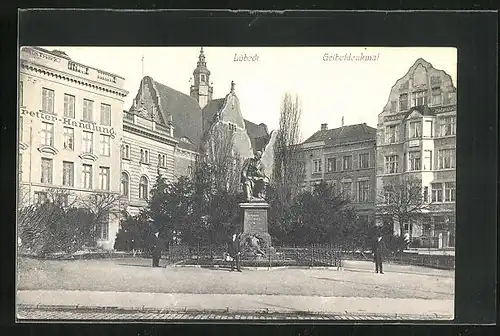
(70, 122)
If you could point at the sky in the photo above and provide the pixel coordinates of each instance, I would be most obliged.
(328, 89)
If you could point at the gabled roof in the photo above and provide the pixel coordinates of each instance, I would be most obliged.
(210, 110)
(344, 134)
(258, 134)
(185, 111)
(256, 131)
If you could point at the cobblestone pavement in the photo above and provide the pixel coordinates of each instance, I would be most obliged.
(62, 314)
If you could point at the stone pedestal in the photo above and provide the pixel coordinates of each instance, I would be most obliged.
(255, 222)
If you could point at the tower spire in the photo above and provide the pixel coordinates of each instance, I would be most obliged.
(201, 59)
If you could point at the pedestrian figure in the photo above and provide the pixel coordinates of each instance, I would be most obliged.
(156, 249)
(378, 253)
(234, 252)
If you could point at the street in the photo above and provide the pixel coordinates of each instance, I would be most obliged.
(131, 287)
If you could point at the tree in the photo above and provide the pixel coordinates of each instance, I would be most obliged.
(287, 167)
(287, 172)
(403, 201)
(156, 209)
(133, 233)
(320, 216)
(223, 160)
(102, 206)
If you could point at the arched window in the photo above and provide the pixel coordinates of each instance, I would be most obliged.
(125, 184)
(142, 155)
(143, 188)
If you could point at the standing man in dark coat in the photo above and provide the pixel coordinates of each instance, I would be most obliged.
(156, 249)
(378, 253)
(234, 252)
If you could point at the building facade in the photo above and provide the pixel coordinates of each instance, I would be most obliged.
(70, 128)
(416, 136)
(344, 157)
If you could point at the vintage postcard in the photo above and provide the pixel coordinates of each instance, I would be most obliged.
(236, 183)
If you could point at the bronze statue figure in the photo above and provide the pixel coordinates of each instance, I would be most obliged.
(254, 179)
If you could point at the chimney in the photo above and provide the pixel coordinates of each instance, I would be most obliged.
(342, 121)
(324, 127)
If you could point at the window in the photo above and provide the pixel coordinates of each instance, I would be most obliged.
(331, 164)
(143, 188)
(347, 189)
(104, 178)
(87, 176)
(105, 114)
(126, 151)
(46, 176)
(427, 160)
(414, 161)
(447, 126)
(69, 138)
(88, 141)
(88, 107)
(446, 158)
(103, 229)
(317, 166)
(427, 128)
(40, 197)
(68, 174)
(449, 192)
(125, 184)
(391, 164)
(437, 192)
(419, 98)
(202, 77)
(47, 100)
(105, 144)
(391, 134)
(364, 160)
(47, 134)
(69, 106)
(190, 170)
(363, 191)
(347, 162)
(144, 156)
(162, 160)
(232, 127)
(403, 102)
(436, 96)
(426, 194)
(415, 130)
(21, 94)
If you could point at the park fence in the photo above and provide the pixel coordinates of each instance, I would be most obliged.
(431, 258)
(212, 255)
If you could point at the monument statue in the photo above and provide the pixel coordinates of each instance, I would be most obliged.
(254, 179)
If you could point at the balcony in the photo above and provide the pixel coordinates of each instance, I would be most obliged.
(128, 116)
(73, 66)
(106, 76)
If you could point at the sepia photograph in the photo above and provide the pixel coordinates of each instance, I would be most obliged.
(236, 183)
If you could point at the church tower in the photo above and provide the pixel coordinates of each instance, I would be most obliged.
(201, 88)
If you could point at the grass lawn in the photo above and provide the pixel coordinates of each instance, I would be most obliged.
(136, 275)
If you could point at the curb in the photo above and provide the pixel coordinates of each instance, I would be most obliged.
(256, 314)
(258, 268)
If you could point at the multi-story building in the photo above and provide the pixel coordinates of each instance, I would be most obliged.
(70, 126)
(148, 147)
(416, 136)
(344, 157)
